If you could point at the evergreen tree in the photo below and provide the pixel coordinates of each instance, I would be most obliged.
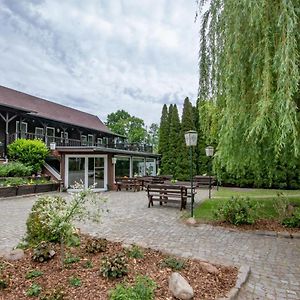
(163, 142)
(183, 160)
(174, 142)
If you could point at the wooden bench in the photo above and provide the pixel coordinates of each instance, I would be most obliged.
(203, 181)
(128, 184)
(167, 193)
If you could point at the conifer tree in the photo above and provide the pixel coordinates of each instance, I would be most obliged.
(163, 143)
(183, 159)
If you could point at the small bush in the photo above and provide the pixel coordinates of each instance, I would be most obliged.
(96, 245)
(3, 284)
(54, 294)
(88, 264)
(71, 260)
(15, 169)
(115, 266)
(29, 152)
(14, 181)
(173, 263)
(38, 226)
(33, 274)
(34, 290)
(135, 252)
(43, 252)
(142, 289)
(238, 210)
(75, 281)
(294, 220)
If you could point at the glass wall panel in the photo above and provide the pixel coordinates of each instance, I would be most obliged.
(150, 167)
(122, 167)
(138, 166)
(76, 170)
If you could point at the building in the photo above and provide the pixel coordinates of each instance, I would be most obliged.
(82, 147)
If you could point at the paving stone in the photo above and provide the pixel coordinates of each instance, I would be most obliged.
(274, 261)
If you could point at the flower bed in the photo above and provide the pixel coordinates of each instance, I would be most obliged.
(17, 186)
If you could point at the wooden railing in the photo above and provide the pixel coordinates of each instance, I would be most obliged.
(66, 142)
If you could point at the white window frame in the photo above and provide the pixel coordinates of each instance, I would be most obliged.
(83, 139)
(64, 135)
(50, 136)
(86, 167)
(17, 129)
(90, 142)
(99, 142)
(39, 135)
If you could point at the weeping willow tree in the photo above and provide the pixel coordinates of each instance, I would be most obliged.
(249, 69)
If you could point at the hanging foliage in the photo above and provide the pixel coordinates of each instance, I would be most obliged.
(249, 68)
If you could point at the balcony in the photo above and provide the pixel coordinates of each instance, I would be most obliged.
(72, 143)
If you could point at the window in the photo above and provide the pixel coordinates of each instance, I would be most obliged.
(90, 140)
(83, 140)
(39, 133)
(23, 129)
(64, 137)
(50, 135)
(99, 141)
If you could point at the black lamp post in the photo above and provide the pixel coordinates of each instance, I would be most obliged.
(191, 140)
(209, 150)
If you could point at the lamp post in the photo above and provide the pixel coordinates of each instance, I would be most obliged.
(191, 140)
(209, 150)
(114, 161)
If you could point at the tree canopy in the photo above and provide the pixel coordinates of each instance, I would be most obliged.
(249, 70)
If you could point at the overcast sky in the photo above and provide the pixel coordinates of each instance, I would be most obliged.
(101, 55)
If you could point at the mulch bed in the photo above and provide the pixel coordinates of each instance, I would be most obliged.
(263, 225)
(95, 286)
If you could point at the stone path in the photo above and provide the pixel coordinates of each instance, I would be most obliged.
(274, 262)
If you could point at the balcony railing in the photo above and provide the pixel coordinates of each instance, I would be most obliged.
(66, 142)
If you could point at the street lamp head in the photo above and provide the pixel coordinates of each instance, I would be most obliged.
(209, 150)
(191, 138)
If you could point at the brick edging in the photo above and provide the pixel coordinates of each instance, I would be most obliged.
(243, 274)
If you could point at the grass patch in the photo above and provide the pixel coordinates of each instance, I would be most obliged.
(205, 211)
(225, 192)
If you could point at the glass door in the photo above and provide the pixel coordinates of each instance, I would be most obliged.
(76, 171)
(96, 170)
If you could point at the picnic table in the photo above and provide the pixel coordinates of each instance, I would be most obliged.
(128, 183)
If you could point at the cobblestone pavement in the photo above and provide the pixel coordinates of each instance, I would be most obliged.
(274, 262)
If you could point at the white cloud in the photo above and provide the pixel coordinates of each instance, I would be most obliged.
(131, 55)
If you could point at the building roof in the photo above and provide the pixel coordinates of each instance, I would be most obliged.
(50, 110)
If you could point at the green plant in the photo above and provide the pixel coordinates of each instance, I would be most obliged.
(75, 281)
(29, 152)
(115, 266)
(33, 274)
(15, 169)
(142, 289)
(3, 284)
(135, 252)
(96, 245)
(54, 294)
(173, 263)
(71, 260)
(281, 205)
(88, 264)
(34, 290)
(294, 220)
(238, 210)
(43, 252)
(14, 181)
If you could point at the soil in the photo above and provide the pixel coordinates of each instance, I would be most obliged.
(263, 225)
(95, 286)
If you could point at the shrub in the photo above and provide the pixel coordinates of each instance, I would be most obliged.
(281, 206)
(33, 274)
(115, 266)
(143, 289)
(43, 252)
(293, 220)
(14, 182)
(88, 264)
(173, 263)
(75, 281)
(238, 210)
(29, 152)
(71, 260)
(15, 169)
(34, 290)
(39, 227)
(96, 245)
(135, 252)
